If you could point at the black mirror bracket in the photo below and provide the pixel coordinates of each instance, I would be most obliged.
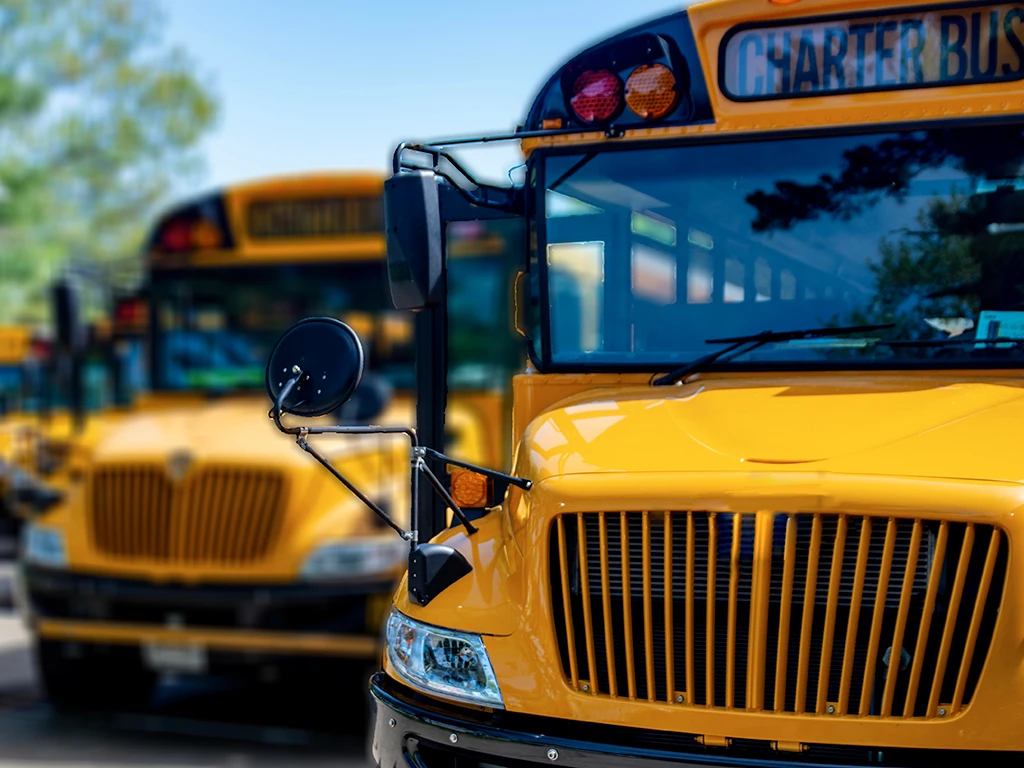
(432, 567)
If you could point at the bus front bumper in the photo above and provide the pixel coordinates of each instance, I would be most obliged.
(411, 730)
(253, 621)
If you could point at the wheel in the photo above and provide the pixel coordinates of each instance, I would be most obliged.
(87, 680)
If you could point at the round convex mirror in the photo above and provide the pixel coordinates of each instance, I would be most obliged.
(331, 359)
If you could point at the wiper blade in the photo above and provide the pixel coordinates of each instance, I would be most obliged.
(743, 344)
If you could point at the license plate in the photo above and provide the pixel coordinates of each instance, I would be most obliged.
(175, 658)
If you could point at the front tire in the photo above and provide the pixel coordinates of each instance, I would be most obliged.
(91, 681)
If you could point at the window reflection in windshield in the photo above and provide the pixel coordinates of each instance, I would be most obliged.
(650, 252)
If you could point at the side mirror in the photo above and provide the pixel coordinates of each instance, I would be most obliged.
(330, 357)
(413, 227)
(367, 402)
(69, 329)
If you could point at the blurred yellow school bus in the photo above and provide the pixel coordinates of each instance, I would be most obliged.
(190, 542)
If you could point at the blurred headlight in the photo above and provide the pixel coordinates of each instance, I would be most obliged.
(443, 662)
(44, 546)
(355, 558)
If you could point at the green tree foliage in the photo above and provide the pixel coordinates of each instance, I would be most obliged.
(99, 122)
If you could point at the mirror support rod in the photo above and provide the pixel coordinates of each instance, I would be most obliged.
(304, 445)
(301, 433)
(476, 192)
(419, 464)
(518, 482)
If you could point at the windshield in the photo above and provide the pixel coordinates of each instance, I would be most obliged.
(651, 252)
(12, 386)
(215, 328)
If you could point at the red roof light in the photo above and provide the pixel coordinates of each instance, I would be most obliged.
(597, 96)
(176, 236)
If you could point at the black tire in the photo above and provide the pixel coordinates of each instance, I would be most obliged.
(92, 681)
(335, 692)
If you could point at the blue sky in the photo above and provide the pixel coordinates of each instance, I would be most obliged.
(335, 84)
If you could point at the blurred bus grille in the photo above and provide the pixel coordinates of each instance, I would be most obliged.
(216, 515)
(805, 614)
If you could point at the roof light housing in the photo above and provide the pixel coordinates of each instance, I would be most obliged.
(593, 90)
(195, 226)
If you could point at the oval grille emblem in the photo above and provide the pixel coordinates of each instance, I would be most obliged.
(178, 465)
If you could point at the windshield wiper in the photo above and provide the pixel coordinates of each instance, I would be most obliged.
(953, 342)
(742, 344)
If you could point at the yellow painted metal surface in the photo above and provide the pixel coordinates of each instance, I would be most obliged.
(739, 444)
(712, 20)
(248, 252)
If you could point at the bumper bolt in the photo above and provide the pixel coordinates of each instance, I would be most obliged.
(831, 709)
(586, 687)
(679, 699)
(552, 755)
(454, 738)
(392, 722)
(942, 712)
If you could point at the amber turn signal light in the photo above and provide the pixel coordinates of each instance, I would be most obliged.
(651, 91)
(471, 490)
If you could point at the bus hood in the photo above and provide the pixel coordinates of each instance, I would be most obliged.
(237, 431)
(886, 425)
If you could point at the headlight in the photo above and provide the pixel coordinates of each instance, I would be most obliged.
(44, 546)
(355, 558)
(441, 661)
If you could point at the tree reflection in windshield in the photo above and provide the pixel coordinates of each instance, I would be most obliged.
(964, 253)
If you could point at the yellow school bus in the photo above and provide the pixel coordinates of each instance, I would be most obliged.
(186, 544)
(16, 435)
(46, 394)
(766, 439)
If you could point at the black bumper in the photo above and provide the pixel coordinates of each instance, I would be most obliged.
(309, 608)
(410, 729)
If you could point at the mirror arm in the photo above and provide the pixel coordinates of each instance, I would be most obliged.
(482, 195)
(518, 482)
(275, 412)
(421, 465)
(418, 464)
(304, 445)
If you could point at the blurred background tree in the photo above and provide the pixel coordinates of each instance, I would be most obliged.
(99, 125)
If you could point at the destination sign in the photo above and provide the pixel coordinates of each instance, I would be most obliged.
(315, 217)
(891, 51)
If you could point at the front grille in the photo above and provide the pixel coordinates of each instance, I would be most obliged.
(805, 609)
(216, 515)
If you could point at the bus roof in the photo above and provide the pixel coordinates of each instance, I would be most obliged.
(753, 66)
(323, 216)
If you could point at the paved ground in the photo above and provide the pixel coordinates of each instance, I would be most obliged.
(189, 724)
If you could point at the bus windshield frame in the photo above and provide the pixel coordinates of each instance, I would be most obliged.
(923, 348)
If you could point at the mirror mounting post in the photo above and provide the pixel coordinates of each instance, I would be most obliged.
(420, 465)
